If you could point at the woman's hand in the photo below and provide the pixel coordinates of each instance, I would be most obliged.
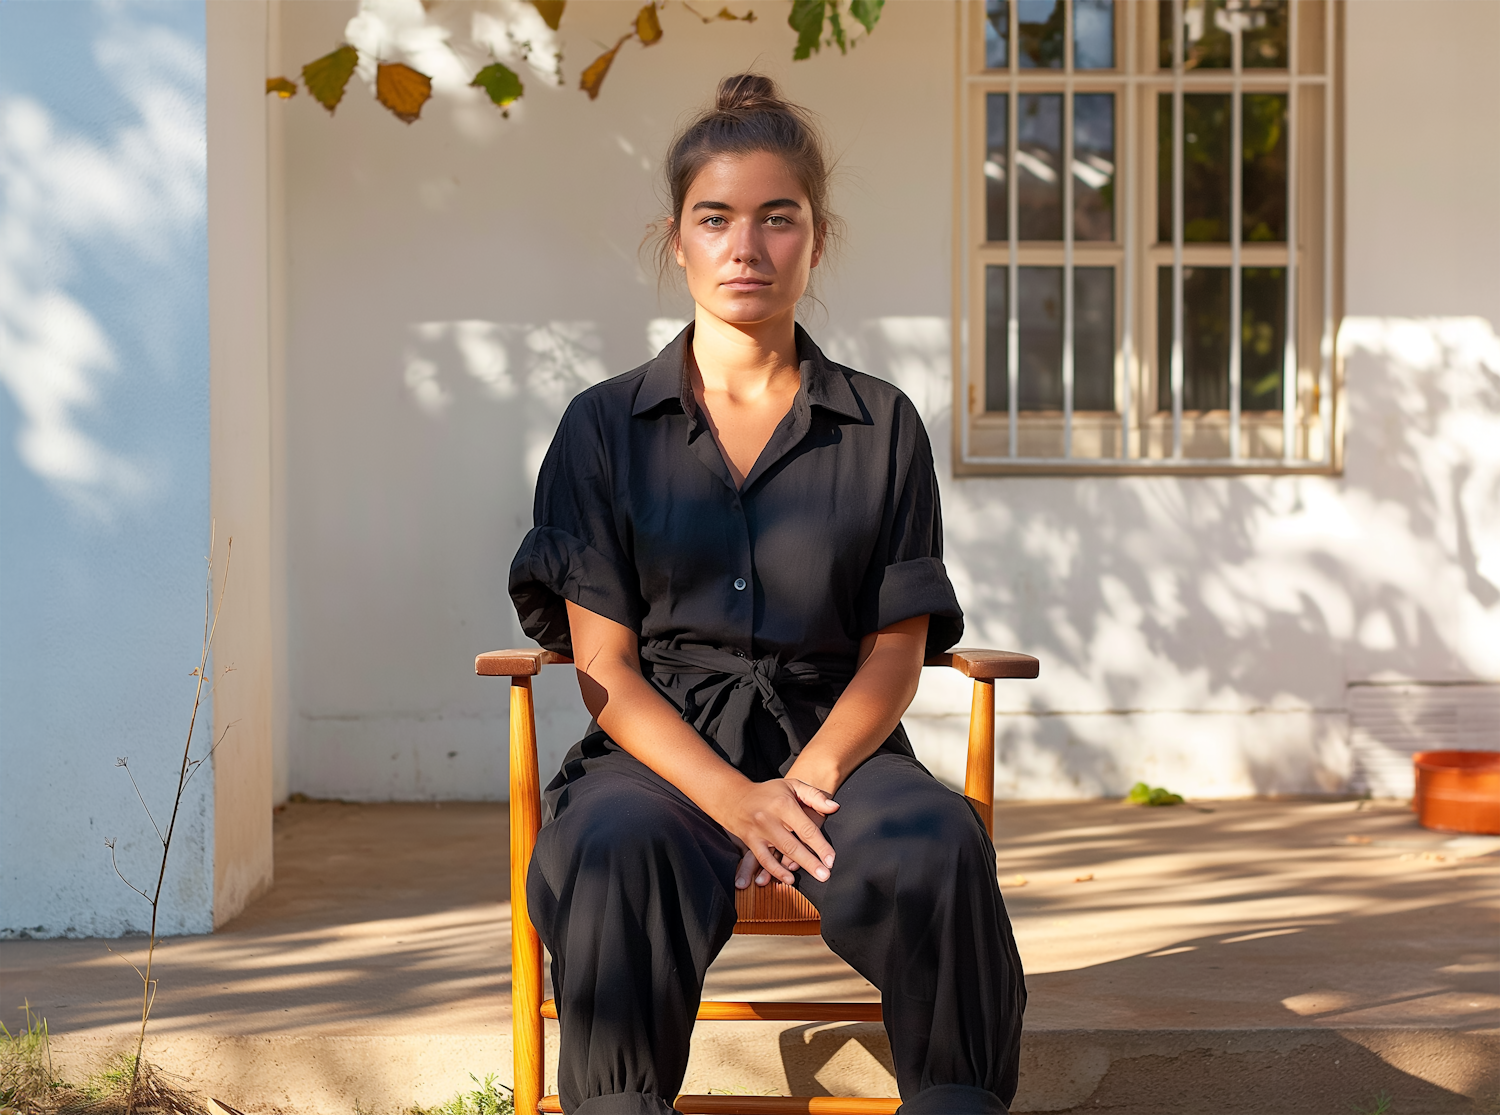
(779, 823)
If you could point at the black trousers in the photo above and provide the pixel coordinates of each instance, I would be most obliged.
(632, 891)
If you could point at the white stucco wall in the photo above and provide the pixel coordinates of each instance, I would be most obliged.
(104, 461)
(450, 284)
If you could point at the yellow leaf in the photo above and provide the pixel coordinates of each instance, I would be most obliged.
(551, 10)
(326, 77)
(647, 25)
(402, 89)
(1089, 878)
(593, 77)
(281, 87)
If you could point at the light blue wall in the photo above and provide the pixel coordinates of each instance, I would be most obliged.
(104, 460)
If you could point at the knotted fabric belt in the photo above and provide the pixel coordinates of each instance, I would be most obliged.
(746, 680)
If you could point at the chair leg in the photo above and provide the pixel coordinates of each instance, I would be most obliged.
(979, 778)
(525, 945)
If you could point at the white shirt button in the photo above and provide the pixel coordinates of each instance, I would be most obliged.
(739, 584)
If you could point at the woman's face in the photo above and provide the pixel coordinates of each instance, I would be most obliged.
(745, 238)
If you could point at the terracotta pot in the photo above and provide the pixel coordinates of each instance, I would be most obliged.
(1458, 791)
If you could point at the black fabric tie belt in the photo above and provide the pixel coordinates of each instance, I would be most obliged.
(746, 680)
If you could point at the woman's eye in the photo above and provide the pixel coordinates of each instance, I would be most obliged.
(776, 220)
(716, 222)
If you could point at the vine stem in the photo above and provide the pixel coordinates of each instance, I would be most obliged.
(211, 609)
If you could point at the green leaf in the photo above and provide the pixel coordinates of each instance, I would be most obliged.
(500, 82)
(807, 20)
(867, 12)
(326, 77)
(551, 10)
(836, 28)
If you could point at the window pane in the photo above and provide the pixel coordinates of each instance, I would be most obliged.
(1205, 338)
(1039, 159)
(996, 125)
(1040, 28)
(1093, 34)
(1264, 185)
(1263, 36)
(1263, 337)
(996, 352)
(1094, 166)
(1041, 320)
(1164, 34)
(1094, 338)
(1206, 40)
(1206, 167)
(996, 34)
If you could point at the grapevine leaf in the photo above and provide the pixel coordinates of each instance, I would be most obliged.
(402, 89)
(836, 28)
(807, 20)
(500, 82)
(281, 87)
(593, 77)
(647, 25)
(551, 10)
(867, 12)
(326, 77)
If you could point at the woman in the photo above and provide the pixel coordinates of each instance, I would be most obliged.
(740, 545)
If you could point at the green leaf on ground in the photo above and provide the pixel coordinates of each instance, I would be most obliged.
(326, 77)
(500, 82)
(1142, 794)
(867, 12)
(807, 20)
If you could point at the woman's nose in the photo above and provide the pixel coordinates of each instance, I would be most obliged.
(746, 248)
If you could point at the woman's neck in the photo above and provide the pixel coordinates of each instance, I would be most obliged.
(744, 362)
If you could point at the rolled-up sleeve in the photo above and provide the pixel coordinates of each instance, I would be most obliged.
(573, 550)
(907, 577)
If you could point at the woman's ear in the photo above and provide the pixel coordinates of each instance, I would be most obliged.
(675, 238)
(820, 240)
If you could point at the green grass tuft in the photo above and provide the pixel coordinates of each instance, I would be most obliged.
(490, 1098)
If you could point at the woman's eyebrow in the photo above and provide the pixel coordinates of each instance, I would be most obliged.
(778, 203)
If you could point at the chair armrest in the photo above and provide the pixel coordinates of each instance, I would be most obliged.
(986, 665)
(972, 662)
(517, 663)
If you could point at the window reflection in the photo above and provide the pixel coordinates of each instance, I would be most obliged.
(1040, 322)
(1262, 337)
(996, 34)
(1206, 167)
(1094, 338)
(1040, 28)
(1039, 160)
(996, 348)
(1094, 166)
(996, 155)
(1040, 310)
(1093, 35)
(1208, 28)
(1264, 133)
(1205, 338)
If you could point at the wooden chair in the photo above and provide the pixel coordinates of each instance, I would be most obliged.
(774, 909)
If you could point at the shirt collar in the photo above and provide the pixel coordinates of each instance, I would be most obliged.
(823, 382)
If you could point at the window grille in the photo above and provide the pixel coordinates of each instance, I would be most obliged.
(1146, 217)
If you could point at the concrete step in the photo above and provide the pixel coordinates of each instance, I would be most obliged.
(1282, 957)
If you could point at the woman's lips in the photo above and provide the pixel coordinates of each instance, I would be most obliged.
(746, 284)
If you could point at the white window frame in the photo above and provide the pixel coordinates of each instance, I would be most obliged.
(1141, 438)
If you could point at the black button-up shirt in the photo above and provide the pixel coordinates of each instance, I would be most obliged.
(750, 603)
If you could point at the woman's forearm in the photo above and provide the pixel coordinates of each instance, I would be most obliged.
(869, 709)
(645, 724)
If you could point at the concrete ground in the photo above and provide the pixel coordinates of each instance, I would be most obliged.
(1248, 956)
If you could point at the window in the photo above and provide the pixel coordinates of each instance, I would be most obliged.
(1147, 276)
